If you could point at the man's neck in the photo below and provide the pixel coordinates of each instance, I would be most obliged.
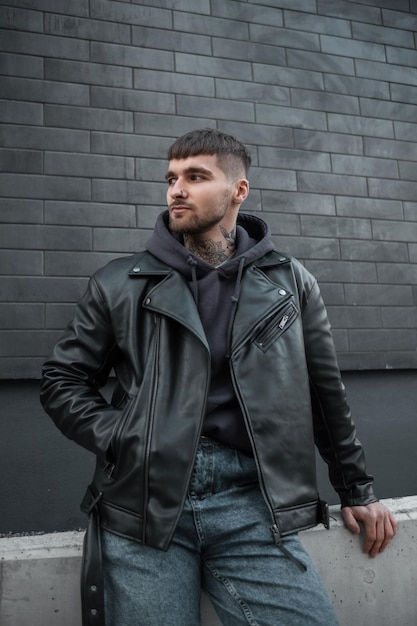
(212, 250)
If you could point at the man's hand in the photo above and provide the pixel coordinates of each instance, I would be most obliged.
(379, 525)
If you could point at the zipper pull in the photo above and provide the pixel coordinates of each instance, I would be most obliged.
(278, 542)
(283, 321)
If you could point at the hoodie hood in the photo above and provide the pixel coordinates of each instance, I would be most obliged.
(253, 241)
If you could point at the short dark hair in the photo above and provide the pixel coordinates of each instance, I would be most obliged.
(231, 154)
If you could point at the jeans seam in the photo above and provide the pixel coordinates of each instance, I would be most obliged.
(233, 593)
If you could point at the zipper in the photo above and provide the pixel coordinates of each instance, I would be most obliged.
(146, 462)
(274, 328)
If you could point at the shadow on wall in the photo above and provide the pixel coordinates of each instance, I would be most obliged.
(43, 475)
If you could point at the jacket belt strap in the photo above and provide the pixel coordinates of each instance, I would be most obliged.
(92, 587)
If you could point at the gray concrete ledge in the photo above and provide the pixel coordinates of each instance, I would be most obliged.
(39, 575)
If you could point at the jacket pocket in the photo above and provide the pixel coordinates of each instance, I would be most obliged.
(275, 326)
(114, 447)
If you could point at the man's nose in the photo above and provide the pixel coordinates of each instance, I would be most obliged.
(177, 190)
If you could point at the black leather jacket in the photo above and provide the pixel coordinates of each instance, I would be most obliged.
(138, 317)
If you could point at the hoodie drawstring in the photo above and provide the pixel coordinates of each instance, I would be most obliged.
(192, 262)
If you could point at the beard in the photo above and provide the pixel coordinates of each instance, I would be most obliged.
(192, 224)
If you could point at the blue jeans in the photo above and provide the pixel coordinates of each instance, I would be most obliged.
(223, 544)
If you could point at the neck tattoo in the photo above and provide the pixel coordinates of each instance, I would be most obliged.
(211, 251)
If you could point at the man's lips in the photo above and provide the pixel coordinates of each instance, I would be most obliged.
(174, 208)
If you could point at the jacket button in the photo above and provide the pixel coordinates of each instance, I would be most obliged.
(147, 301)
(93, 588)
(136, 269)
(93, 611)
(282, 292)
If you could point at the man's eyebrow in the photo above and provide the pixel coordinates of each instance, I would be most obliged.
(190, 170)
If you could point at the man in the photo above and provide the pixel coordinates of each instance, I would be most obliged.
(226, 376)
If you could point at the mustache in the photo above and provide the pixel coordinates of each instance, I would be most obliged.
(180, 203)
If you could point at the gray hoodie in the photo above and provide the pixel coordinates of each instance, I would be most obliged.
(216, 293)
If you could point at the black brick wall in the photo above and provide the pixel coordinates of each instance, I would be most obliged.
(324, 92)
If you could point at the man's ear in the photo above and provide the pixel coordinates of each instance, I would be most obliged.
(241, 190)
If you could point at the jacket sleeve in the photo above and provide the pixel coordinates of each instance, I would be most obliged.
(335, 432)
(76, 370)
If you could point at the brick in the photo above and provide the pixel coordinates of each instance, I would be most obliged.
(24, 368)
(151, 169)
(132, 100)
(247, 13)
(357, 86)
(354, 316)
(90, 214)
(248, 51)
(21, 112)
(23, 161)
(308, 247)
(171, 40)
(374, 251)
(385, 71)
(389, 110)
(391, 189)
(36, 237)
(390, 230)
(317, 61)
(81, 28)
(410, 211)
(193, 6)
(332, 294)
(147, 215)
(328, 142)
(285, 38)
(130, 14)
(58, 315)
(21, 19)
(224, 109)
(208, 25)
(349, 10)
(16, 316)
(397, 273)
(168, 126)
(128, 191)
(88, 118)
(210, 66)
(32, 186)
(75, 7)
(340, 338)
(120, 240)
(361, 361)
(383, 35)
(174, 82)
(89, 165)
(377, 340)
(43, 138)
(282, 224)
(296, 5)
(75, 263)
(132, 56)
(399, 19)
(356, 125)
(399, 317)
(401, 56)
(352, 48)
(44, 45)
(286, 116)
(41, 289)
(264, 178)
(19, 210)
(340, 227)
(317, 23)
(252, 92)
(259, 134)
(369, 207)
(378, 295)
(391, 148)
(322, 101)
(287, 77)
(413, 252)
(404, 93)
(332, 183)
(408, 170)
(24, 343)
(365, 166)
(294, 202)
(89, 73)
(294, 159)
(19, 65)
(44, 91)
(23, 262)
(343, 271)
(129, 145)
(401, 5)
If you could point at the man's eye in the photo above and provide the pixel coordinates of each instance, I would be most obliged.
(170, 181)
